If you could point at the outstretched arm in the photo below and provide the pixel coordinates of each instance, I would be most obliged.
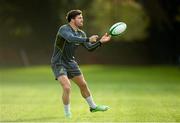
(68, 35)
(92, 46)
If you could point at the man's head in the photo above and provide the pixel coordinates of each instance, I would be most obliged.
(75, 17)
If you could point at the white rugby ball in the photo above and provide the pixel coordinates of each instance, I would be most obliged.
(117, 28)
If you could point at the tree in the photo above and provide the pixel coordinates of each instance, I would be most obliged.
(163, 39)
(107, 12)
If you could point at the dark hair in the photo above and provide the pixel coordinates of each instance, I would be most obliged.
(72, 14)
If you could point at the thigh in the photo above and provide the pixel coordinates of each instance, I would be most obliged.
(58, 70)
(64, 81)
(79, 80)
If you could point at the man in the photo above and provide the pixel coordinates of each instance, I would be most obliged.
(63, 62)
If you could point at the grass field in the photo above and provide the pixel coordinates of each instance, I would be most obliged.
(133, 94)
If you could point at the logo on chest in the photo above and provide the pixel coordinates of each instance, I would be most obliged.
(77, 44)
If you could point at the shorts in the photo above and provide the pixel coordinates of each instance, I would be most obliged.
(70, 69)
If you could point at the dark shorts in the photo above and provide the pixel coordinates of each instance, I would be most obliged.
(71, 69)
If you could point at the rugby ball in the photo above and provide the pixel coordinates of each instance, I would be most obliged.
(117, 28)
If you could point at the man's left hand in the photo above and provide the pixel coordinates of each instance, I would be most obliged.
(105, 38)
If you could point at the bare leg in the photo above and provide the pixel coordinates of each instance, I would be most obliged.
(82, 84)
(85, 92)
(66, 85)
(80, 81)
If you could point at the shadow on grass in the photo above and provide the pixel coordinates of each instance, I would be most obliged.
(40, 119)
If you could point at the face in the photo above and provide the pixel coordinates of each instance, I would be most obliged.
(78, 20)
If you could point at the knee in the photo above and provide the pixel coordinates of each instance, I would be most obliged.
(67, 88)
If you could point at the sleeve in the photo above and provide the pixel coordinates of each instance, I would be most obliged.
(67, 35)
(91, 46)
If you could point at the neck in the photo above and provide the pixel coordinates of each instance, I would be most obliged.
(75, 28)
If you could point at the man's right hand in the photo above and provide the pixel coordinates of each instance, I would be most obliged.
(93, 38)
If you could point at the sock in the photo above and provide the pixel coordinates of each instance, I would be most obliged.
(91, 102)
(67, 109)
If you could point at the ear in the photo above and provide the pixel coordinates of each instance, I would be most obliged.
(72, 20)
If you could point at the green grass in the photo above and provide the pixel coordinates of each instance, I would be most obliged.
(133, 94)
